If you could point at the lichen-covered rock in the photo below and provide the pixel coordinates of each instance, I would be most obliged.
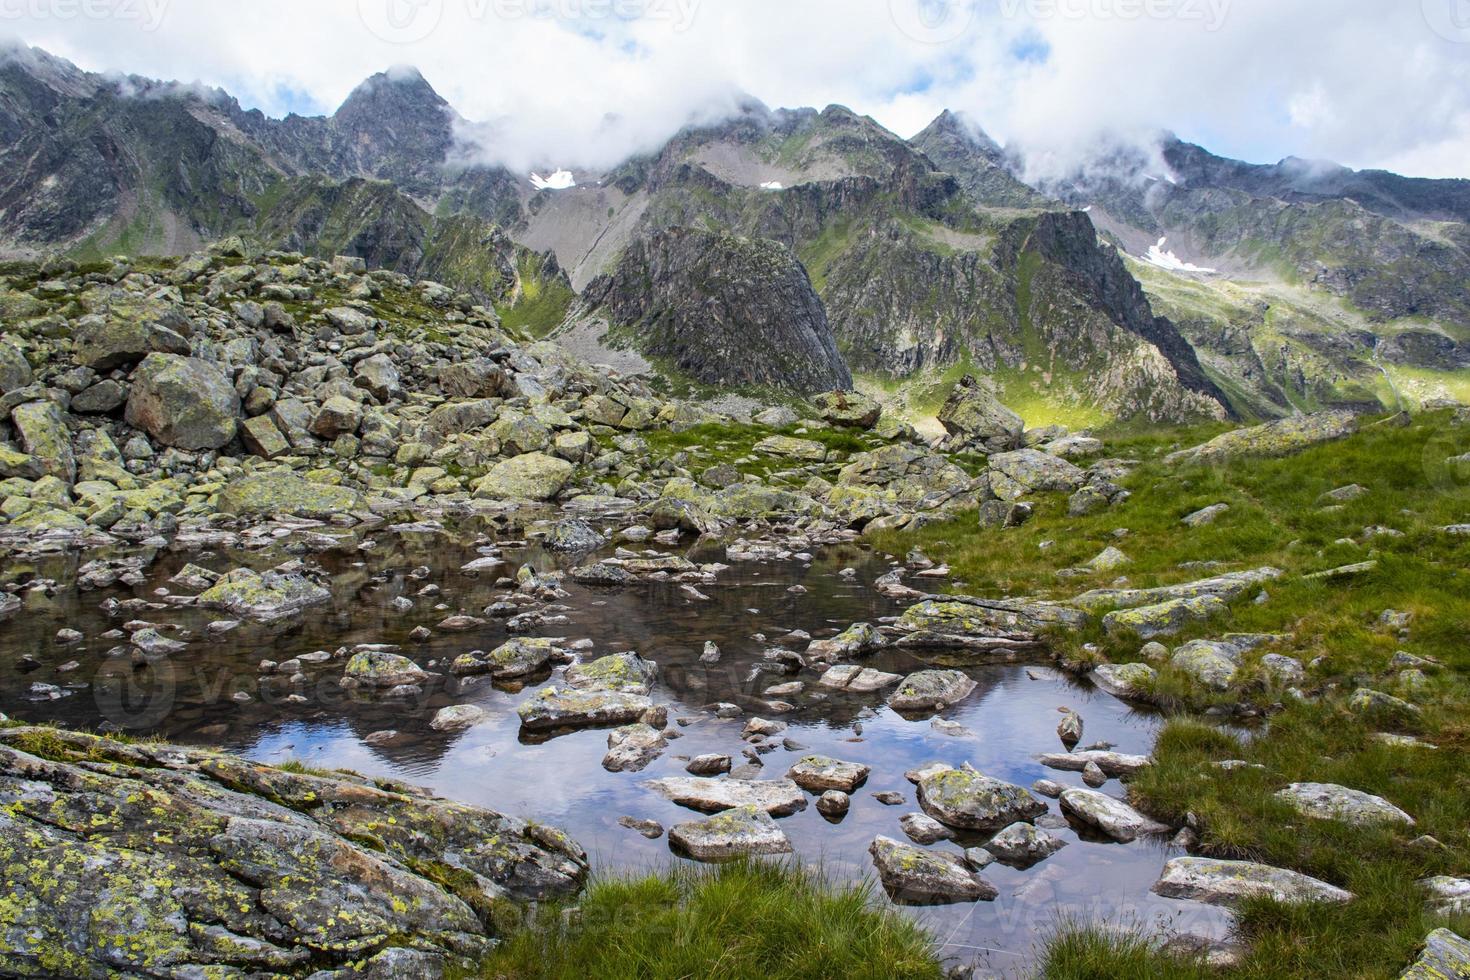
(1015, 474)
(1212, 663)
(793, 448)
(817, 774)
(848, 409)
(1366, 701)
(855, 641)
(518, 657)
(15, 370)
(970, 801)
(1280, 438)
(573, 536)
(1113, 817)
(533, 476)
(1446, 956)
(1166, 618)
(380, 668)
(742, 831)
(1118, 765)
(778, 797)
(263, 438)
(931, 690)
(131, 328)
(624, 672)
(1326, 801)
(267, 597)
(182, 862)
(1023, 844)
(909, 471)
(183, 402)
(976, 420)
(632, 747)
(1228, 588)
(457, 717)
(44, 436)
(556, 708)
(965, 622)
(914, 876)
(1231, 882)
(283, 492)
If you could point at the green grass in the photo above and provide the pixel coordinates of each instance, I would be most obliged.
(542, 303)
(1333, 627)
(737, 920)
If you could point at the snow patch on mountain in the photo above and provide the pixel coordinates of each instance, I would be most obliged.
(1164, 259)
(773, 185)
(560, 181)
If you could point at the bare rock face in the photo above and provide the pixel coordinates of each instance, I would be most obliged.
(185, 862)
(724, 310)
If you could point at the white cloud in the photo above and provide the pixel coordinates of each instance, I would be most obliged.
(581, 83)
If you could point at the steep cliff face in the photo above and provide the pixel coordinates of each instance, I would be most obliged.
(722, 309)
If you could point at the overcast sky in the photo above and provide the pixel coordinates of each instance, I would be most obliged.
(1380, 83)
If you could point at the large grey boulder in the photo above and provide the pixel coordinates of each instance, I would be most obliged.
(282, 492)
(931, 690)
(132, 328)
(267, 597)
(556, 708)
(1326, 801)
(967, 800)
(817, 774)
(1280, 438)
(977, 421)
(1016, 474)
(740, 832)
(1218, 882)
(185, 862)
(1113, 817)
(183, 402)
(533, 476)
(382, 668)
(915, 876)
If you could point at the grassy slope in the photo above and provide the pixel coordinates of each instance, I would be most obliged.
(737, 920)
(1276, 519)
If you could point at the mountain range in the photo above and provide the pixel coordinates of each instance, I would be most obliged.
(799, 249)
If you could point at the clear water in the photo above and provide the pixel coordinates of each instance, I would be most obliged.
(1011, 716)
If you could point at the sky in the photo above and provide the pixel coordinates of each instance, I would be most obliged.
(585, 83)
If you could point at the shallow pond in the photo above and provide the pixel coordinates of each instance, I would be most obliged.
(1008, 721)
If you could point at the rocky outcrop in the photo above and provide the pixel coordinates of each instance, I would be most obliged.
(173, 861)
(722, 309)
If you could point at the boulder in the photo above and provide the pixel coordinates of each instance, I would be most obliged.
(778, 797)
(632, 747)
(378, 375)
(43, 434)
(1023, 844)
(967, 800)
(740, 832)
(1216, 882)
(573, 536)
(267, 597)
(225, 867)
(261, 436)
(859, 680)
(554, 708)
(457, 718)
(817, 774)
(922, 829)
(15, 370)
(914, 876)
(1166, 618)
(626, 673)
(183, 402)
(1446, 956)
(1326, 801)
(519, 657)
(931, 690)
(1025, 471)
(338, 416)
(848, 409)
(131, 330)
(792, 448)
(976, 420)
(1280, 438)
(382, 669)
(533, 476)
(1113, 817)
(283, 492)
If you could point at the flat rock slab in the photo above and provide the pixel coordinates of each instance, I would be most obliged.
(1230, 882)
(859, 680)
(1326, 801)
(275, 855)
(556, 708)
(1228, 587)
(778, 797)
(914, 876)
(623, 672)
(1111, 816)
(1446, 956)
(818, 774)
(743, 831)
(970, 801)
(1165, 618)
(930, 690)
(1115, 764)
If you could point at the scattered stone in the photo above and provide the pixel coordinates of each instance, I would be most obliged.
(922, 829)
(1446, 956)
(833, 804)
(1113, 817)
(1023, 844)
(741, 831)
(817, 774)
(970, 801)
(778, 797)
(708, 765)
(931, 690)
(1329, 802)
(650, 829)
(911, 875)
(1230, 882)
(457, 717)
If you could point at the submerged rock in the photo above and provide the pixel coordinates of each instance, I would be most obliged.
(742, 831)
(914, 876)
(188, 862)
(779, 797)
(1230, 882)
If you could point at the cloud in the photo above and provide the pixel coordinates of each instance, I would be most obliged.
(579, 83)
